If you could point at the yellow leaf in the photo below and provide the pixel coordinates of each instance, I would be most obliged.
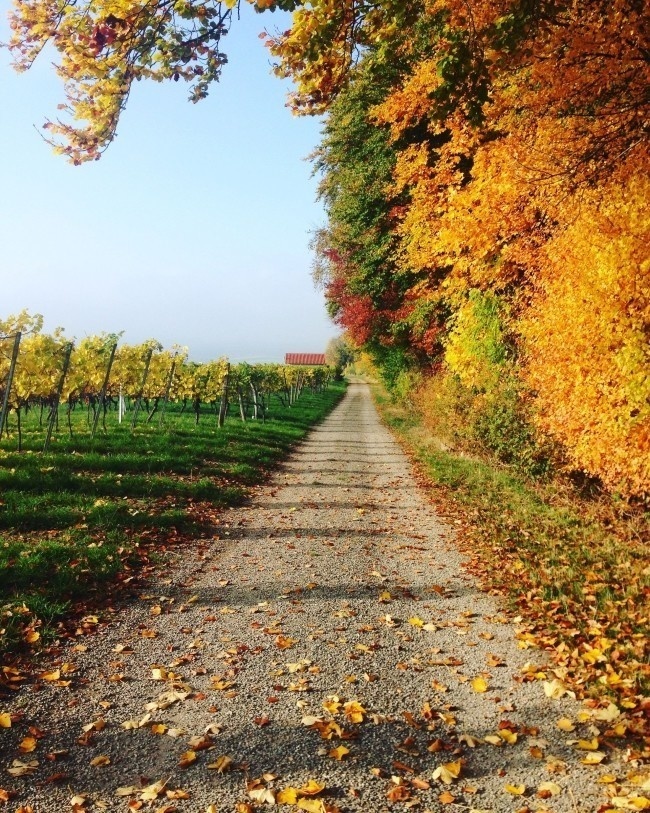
(588, 745)
(631, 802)
(151, 792)
(480, 684)
(288, 796)
(311, 805)
(100, 760)
(332, 704)
(187, 759)
(547, 789)
(416, 622)
(28, 745)
(508, 736)
(594, 758)
(564, 724)
(608, 714)
(221, 764)
(339, 752)
(311, 788)
(556, 689)
(55, 674)
(385, 597)
(515, 790)
(179, 793)
(5, 720)
(354, 711)
(211, 809)
(130, 791)
(448, 772)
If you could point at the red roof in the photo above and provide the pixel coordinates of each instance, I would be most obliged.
(305, 358)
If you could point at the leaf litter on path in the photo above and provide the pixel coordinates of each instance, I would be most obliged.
(333, 658)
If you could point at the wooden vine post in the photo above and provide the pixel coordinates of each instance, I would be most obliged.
(143, 384)
(168, 389)
(67, 352)
(9, 382)
(102, 394)
(223, 406)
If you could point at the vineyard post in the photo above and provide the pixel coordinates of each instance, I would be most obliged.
(102, 394)
(223, 406)
(10, 380)
(255, 401)
(143, 384)
(57, 396)
(168, 389)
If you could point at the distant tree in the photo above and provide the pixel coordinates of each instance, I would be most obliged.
(339, 353)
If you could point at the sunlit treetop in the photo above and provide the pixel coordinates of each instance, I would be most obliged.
(105, 45)
(585, 65)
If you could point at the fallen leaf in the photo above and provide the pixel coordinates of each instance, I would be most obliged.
(588, 745)
(354, 711)
(548, 789)
(311, 805)
(187, 759)
(179, 793)
(284, 642)
(151, 792)
(515, 790)
(287, 796)
(448, 772)
(479, 684)
(339, 752)
(593, 758)
(27, 745)
(20, 768)
(221, 764)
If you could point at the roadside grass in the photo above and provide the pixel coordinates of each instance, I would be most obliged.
(574, 571)
(92, 514)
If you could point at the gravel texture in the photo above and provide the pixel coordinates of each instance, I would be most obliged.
(337, 580)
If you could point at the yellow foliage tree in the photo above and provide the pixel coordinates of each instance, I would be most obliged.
(586, 334)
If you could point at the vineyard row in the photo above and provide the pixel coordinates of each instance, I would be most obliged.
(45, 371)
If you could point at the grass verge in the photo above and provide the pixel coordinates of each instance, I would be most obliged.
(574, 572)
(92, 515)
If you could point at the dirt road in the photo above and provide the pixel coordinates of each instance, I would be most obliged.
(329, 635)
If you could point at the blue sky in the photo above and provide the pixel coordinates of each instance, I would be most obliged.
(194, 226)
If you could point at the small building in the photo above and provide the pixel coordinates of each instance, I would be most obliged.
(305, 359)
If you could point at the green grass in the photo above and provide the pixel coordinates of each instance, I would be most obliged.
(576, 570)
(75, 520)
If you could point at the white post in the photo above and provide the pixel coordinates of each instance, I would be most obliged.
(120, 406)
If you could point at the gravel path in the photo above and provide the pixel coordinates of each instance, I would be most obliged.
(338, 584)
